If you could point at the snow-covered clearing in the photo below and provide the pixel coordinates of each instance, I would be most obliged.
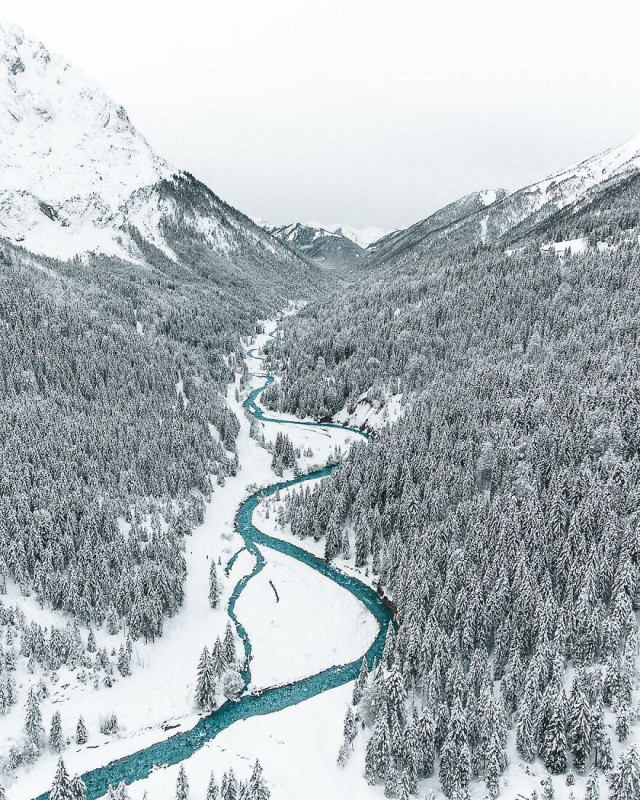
(372, 416)
(297, 748)
(314, 624)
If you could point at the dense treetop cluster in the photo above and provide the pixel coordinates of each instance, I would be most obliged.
(501, 511)
(113, 420)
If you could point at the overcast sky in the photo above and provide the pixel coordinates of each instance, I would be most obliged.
(358, 111)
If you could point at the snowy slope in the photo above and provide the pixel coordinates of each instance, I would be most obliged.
(507, 218)
(76, 176)
(69, 156)
(459, 209)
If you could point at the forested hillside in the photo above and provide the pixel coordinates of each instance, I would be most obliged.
(112, 390)
(500, 512)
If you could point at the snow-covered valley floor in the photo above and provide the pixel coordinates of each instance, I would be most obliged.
(315, 624)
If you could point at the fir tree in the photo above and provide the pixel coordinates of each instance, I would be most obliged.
(592, 791)
(360, 683)
(78, 788)
(350, 730)
(579, 729)
(182, 784)
(212, 788)
(56, 741)
(33, 728)
(257, 787)
(61, 788)
(218, 660)
(624, 781)
(229, 646)
(205, 683)
(214, 589)
(555, 758)
(124, 661)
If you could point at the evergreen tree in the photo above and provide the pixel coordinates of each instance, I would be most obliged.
(229, 646)
(555, 757)
(124, 661)
(350, 730)
(360, 683)
(579, 729)
(56, 741)
(182, 784)
(258, 789)
(33, 728)
(78, 788)
(205, 683)
(624, 781)
(623, 723)
(112, 622)
(592, 791)
(61, 788)
(218, 660)
(214, 589)
(455, 765)
(212, 788)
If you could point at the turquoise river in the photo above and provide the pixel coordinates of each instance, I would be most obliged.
(182, 745)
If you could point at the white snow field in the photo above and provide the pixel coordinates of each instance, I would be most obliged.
(313, 626)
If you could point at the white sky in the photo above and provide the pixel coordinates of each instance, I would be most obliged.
(358, 111)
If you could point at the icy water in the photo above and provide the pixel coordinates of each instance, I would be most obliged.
(183, 745)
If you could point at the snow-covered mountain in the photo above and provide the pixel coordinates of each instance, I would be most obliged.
(76, 176)
(469, 204)
(484, 219)
(328, 249)
(363, 237)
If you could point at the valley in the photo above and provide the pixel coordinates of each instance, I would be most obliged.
(310, 510)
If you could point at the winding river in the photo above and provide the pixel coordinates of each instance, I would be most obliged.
(182, 745)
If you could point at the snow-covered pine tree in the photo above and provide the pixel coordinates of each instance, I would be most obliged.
(229, 646)
(555, 757)
(218, 660)
(592, 789)
(124, 661)
(205, 683)
(212, 788)
(56, 740)
(78, 788)
(182, 784)
(579, 728)
(258, 789)
(624, 780)
(33, 728)
(61, 788)
(454, 758)
(360, 683)
(350, 730)
(112, 622)
(214, 588)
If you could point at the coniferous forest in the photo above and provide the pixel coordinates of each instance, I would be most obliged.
(499, 512)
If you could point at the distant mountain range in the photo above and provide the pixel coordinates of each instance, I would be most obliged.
(330, 250)
(583, 200)
(77, 177)
(329, 246)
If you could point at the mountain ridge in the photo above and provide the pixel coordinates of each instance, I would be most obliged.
(77, 177)
(515, 216)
